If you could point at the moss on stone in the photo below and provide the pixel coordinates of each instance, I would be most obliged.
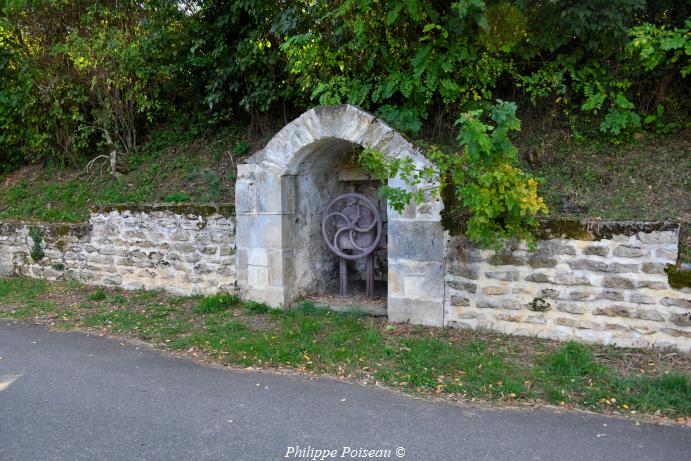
(197, 209)
(538, 305)
(62, 230)
(564, 228)
(678, 278)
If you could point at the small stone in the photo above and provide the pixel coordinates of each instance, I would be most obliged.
(645, 314)
(570, 279)
(616, 326)
(186, 248)
(610, 294)
(464, 286)
(618, 282)
(509, 276)
(538, 262)
(508, 317)
(653, 268)
(668, 255)
(209, 250)
(567, 322)
(136, 234)
(548, 293)
(569, 307)
(644, 329)
(612, 311)
(653, 284)
(468, 314)
(588, 265)
(464, 270)
(622, 268)
(678, 302)
(538, 319)
(625, 251)
(683, 320)
(596, 251)
(579, 295)
(494, 290)
(659, 237)
(537, 277)
(181, 236)
(459, 301)
(677, 333)
(505, 303)
(555, 247)
(506, 260)
(641, 299)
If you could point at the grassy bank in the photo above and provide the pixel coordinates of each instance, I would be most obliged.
(174, 165)
(646, 179)
(455, 364)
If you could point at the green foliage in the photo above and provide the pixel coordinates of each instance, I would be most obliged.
(81, 76)
(235, 53)
(241, 148)
(496, 198)
(659, 123)
(79, 79)
(657, 46)
(36, 235)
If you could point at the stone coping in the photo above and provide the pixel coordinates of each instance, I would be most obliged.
(585, 229)
(550, 228)
(186, 208)
(50, 229)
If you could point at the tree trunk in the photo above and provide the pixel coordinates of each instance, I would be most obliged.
(112, 154)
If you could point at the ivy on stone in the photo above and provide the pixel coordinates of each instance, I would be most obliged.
(36, 252)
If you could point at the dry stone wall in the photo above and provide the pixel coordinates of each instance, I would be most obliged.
(599, 283)
(183, 249)
(603, 283)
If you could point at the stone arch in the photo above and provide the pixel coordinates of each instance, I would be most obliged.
(279, 192)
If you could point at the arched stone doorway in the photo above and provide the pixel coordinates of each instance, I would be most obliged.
(281, 191)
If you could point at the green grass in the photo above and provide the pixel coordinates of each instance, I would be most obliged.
(428, 361)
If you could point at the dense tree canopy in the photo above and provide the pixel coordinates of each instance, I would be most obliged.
(80, 76)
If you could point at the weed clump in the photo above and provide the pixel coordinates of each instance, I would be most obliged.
(217, 303)
(98, 295)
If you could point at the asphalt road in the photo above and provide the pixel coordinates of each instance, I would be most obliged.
(70, 396)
